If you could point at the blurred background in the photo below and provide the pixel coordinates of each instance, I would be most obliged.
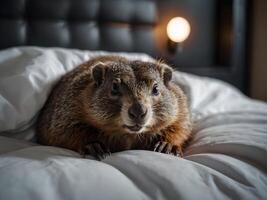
(225, 39)
(258, 53)
(213, 48)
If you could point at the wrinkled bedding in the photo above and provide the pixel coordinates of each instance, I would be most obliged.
(226, 158)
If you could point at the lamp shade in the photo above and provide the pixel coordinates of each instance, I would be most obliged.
(178, 29)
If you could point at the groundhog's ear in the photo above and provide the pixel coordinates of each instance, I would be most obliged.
(98, 73)
(166, 72)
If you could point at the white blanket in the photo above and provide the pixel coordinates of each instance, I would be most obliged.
(225, 160)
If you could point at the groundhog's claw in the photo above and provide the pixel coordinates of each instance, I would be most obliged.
(165, 147)
(98, 150)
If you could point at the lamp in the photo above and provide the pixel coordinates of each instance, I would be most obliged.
(178, 30)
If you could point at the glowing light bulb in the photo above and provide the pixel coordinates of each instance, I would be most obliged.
(178, 29)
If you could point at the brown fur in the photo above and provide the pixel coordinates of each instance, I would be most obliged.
(79, 111)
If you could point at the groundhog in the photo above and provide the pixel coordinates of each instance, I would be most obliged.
(111, 104)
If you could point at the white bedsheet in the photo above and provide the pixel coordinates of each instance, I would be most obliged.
(227, 158)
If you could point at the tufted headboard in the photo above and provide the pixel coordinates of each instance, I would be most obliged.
(216, 46)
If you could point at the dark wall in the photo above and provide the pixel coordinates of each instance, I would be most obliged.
(217, 45)
(201, 44)
(258, 50)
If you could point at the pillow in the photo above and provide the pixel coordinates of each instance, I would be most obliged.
(209, 96)
(27, 75)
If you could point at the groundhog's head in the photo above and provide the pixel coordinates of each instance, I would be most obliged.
(132, 97)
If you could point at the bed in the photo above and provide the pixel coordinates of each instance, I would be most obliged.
(43, 40)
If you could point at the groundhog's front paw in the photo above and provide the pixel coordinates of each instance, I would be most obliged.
(168, 148)
(98, 150)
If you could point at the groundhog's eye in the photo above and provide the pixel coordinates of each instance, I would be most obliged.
(115, 90)
(155, 90)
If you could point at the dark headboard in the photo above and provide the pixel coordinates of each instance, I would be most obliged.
(216, 46)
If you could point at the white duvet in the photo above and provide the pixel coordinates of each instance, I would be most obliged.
(225, 160)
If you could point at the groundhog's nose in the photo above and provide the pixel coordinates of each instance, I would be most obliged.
(137, 112)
